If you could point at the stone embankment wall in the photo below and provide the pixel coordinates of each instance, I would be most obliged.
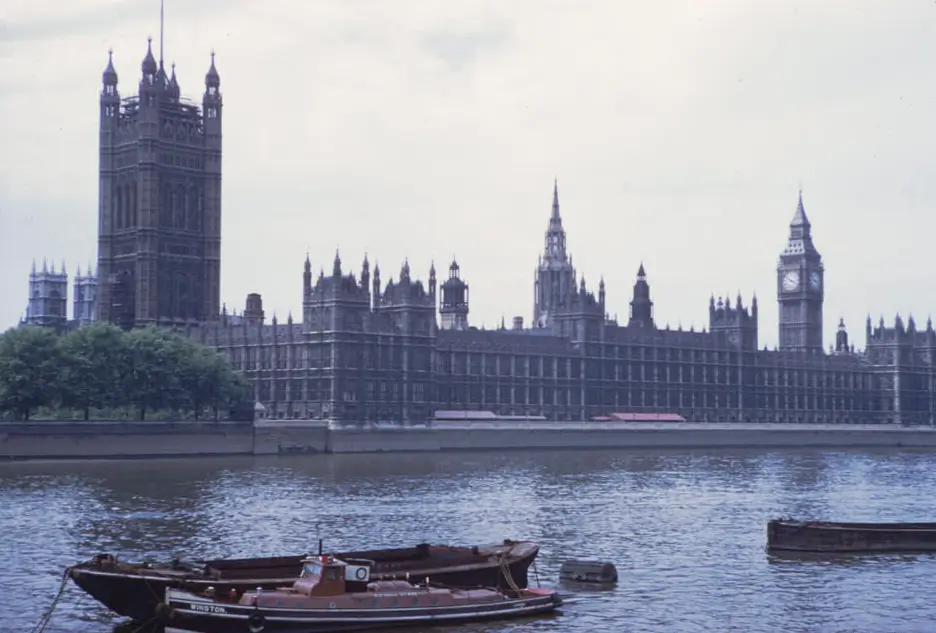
(274, 437)
(492, 436)
(47, 440)
(98, 440)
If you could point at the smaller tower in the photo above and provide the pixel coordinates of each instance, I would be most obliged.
(253, 309)
(641, 305)
(737, 324)
(84, 297)
(307, 278)
(365, 280)
(454, 305)
(48, 297)
(432, 283)
(841, 338)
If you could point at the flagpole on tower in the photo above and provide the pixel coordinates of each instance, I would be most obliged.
(161, 22)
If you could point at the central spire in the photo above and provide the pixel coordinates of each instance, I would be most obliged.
(555, 235)
(555, 217)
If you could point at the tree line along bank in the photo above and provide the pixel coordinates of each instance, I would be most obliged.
(102, 371)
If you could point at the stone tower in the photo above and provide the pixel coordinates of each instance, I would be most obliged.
(159, 203)
(84, 296)
(641, 306)
(800, 287)
(555, 276)
(738, 324)
(453, 307)
(48, 296)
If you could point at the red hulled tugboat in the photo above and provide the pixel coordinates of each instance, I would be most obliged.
(333, 595)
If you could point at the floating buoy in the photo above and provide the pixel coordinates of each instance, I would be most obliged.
(590, 571)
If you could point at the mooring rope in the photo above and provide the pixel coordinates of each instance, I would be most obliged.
(47, 616)
(508, 576)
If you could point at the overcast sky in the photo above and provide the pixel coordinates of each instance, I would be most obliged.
(679, 131)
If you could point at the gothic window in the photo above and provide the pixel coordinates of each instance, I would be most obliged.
(133, 204)
(181, 210)
(125, 206)
(115, 207)
(193, 207)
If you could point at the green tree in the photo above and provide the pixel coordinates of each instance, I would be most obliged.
(203, 373)
(29, 369)
(154, 379)
(236, 396)
(95, 360)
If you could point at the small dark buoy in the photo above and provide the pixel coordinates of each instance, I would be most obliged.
(590, 571)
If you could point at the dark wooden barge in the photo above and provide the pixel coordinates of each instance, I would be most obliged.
(135, 589)
(331, 596)
(788, 535)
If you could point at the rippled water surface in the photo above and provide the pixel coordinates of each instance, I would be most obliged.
(686, 530)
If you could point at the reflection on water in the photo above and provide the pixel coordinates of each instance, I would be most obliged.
(686, 530)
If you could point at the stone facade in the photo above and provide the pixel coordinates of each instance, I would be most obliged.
(368, 351)
(48, 297)
(159, 224)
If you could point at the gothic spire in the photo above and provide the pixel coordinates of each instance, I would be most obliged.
(555, 217)
(799, 217)
(799, 241)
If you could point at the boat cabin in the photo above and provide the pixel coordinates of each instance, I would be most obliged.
(329, 576)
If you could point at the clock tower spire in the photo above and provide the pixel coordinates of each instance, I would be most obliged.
(800, 287)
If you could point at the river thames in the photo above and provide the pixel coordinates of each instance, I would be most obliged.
(685, 529)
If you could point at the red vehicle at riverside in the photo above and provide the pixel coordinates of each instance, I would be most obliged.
(640, 417)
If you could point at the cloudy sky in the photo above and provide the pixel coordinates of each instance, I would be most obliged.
(679, 131)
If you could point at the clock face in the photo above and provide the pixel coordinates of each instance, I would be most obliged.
(791, 280)
(815, 280)
(733, 338)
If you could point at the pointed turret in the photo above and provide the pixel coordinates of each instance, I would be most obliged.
(212, 78)
(405, 270)
(641, 305)
(174, 89)
(109, 76)
(149, 66)
(336, 265)
(841, 338)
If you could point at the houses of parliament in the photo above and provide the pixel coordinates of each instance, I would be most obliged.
(377, 346)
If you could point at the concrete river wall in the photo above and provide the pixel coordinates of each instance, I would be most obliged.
(107, 440)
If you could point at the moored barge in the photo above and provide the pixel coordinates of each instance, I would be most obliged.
(788, 535)
(134, 590)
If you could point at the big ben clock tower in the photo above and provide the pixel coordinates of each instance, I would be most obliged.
(800, 287)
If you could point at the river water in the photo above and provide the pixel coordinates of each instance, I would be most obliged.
(685, 529)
